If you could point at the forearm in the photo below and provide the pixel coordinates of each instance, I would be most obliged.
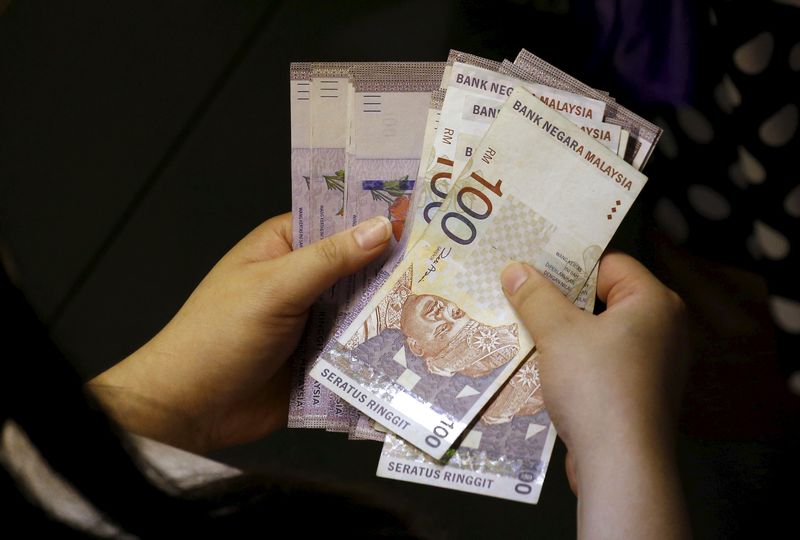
(631, 491)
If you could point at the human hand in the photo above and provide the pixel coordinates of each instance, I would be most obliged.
(611, 384)
(215, 376)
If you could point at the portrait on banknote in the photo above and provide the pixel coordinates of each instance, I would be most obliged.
(429, 345)
(450, 341)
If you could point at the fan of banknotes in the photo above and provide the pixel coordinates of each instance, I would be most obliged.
(476, 163)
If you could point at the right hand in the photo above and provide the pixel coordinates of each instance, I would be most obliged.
(216, 375)
(611, 382)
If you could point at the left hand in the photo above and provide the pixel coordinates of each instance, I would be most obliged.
(216, 375)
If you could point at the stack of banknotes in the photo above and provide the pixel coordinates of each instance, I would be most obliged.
(476, 163)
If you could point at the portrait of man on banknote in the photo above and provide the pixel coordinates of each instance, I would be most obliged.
(450, 341)
(430, 346)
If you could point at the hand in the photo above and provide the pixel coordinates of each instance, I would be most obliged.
(215, 376)
(611, 383)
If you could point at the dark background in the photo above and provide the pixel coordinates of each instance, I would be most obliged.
(140, 140)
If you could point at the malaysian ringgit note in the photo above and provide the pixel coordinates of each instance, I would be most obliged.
(436, 176)
(439, 338)
(300, 116)
(363, 427)
(475, 90)
(504, 453)
(386, 135)
(388, 108)
(328, 115)
(481, 92)
(476, 93)
(643, 135)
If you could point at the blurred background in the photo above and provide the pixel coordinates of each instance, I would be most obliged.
(140, 140)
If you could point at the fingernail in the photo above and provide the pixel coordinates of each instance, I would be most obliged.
(514, 275)
(372, 232)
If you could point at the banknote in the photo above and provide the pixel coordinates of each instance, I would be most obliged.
(330, 109)
(477, 122)
(362, 428)
(439, 338)
(474, 93)
(389, 115)
(505, 453)
(300, 115)
(643, 135)
(328, 116)
(410, 76)
(581, 110)
(475, 466)
(474, 96)
(387, 110)
(300, 97)
(479, 108)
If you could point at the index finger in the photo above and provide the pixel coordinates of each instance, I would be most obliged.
(271, 239)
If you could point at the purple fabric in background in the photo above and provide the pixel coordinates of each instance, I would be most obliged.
(650, 46)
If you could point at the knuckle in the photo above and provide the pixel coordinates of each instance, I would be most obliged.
(673, 312)
(329, 251)
(676, 304)
(274, 288)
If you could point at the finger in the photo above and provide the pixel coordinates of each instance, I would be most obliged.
(542, 307)
(271, 239)
(283, 227)
(302, 275)
(620, 276)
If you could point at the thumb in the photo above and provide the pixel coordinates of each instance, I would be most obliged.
(305, 273)
(541, 306)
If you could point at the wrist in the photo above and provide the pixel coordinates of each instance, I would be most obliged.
(629, 486)
(645, 425)
(138, 403)
(616, 453)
